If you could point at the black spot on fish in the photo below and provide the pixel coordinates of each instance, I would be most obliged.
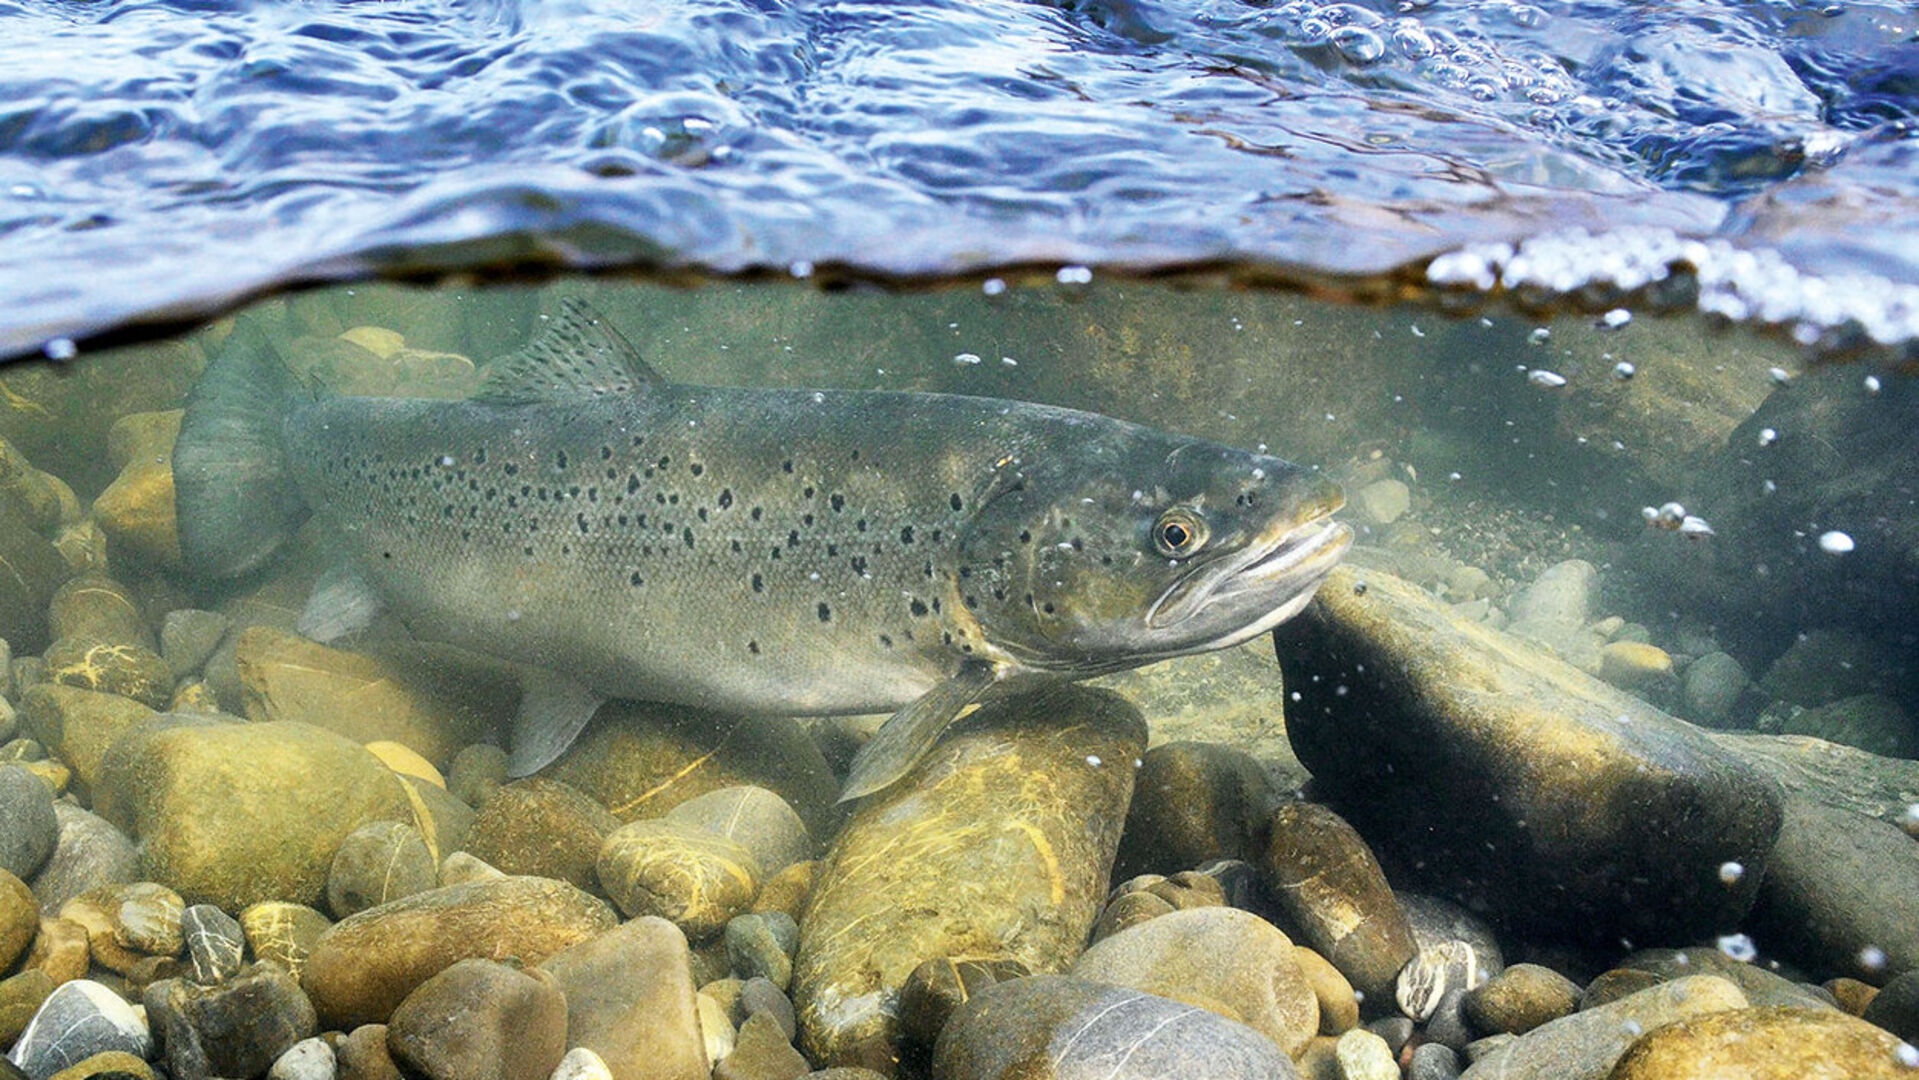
(793, 538)
(832, 551)
(917, 608)
(753, 647)
(859, 565)
(885, 642)
(736, 547)
(806, 520)
(955, 500)
(512, 469)
(686, 537)
(906, 535)
(580, 520)
(756, 512)
(386, 554)
(971, 600)
(635, 579)
(759, 583)
(698, 468)
(860, 524)
(479, 456)
(936, 605)
(936, 536)
(838, 501)
(726, 498)
(826, 613)
(702, 513)
(808, 493)
(559, 459)
(664, 462)
(787, 465)
(632, 483)
(606, 453)
(1025, 537)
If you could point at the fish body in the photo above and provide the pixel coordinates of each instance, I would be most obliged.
(753, 550)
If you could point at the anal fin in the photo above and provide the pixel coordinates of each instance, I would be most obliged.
(553, 711)
(342, 603)
(910, 733)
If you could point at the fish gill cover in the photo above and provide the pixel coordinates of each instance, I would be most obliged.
(161, 159)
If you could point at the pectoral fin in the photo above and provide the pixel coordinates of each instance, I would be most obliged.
(553, 710)
(342, 603)
(908, 734)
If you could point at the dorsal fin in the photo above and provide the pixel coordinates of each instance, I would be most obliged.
(579, 354)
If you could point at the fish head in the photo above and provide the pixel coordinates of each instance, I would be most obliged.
(1136, 549)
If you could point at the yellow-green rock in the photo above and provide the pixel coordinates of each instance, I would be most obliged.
(362, 967)
(640, 760)
(20, 997)
(1776, 1043)
(233, 814)
(30, 570)
(998, 845)
(286, 677)
(282, 932)
(541, 827)
(690, 876)
(136, 511)
(78, 726)
(19, 919)
(1585, 1045)
(128, 670)
(110, 1065)
(96, 606)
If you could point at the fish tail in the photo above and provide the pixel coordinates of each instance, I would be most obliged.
(233, 489)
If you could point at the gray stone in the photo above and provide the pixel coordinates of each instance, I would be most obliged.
(1896, 1007)
(761, 945)
(308, 1059)
(761, 996)
(1521, 998)
(1763, 988)
(1019, 1030)
(756, 819)
(1839, 886)
(1824, 665)
(761, 1051)
(78, 1020)
(1396, 1030)
(1433, 1061)
(1573, 809)
(1713, 685)
(9, 720)
(1448, 1024)
(1333, 891)
(1435, 920)
(29, 830)
(238, 1028)
(1382, 501)
(481, 1020)
(188, 637)
(935, 991)
(91, 853)
(478, 771)
(215, 944)
(1560, 596)
(379, 862)
(36, 570)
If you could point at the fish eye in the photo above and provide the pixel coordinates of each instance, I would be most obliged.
(1178, 533)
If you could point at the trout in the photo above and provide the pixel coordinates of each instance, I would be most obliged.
(757, 551)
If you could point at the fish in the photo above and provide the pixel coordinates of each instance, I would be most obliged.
(755, 551)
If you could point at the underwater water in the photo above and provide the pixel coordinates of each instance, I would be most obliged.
(1598, 745)
(1120, 538)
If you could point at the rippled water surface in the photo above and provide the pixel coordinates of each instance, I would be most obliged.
(159, 157)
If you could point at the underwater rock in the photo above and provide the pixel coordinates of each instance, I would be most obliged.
(1775, 1043)
(761, 946)
(408, 765)
(1331, 888)
(127, 670)
(461, 867)
(232, 814)
(308, 1059)
(1363, 1055)
(1841, 894)
(96, 606)
(997, 845)
(543, 828)
(286, 677)
(1840, 462)
(1382, 501)
(1712, 688)
(481, 1020)
(579, 1064)
(1019, 1030)
(1436, 920)
(1896, 1007)
(1824, 665)
(1338, 1003)
(1434, 972)
(1194, 802)
(379, 862)
(235, 1029)
(1760, 985)
(136, 510)
(641, 759)
(19, 919)
(60, 950)
(127, 923)
(363, 1055)
(1635, 665)
(1870, 722)
(936, 990)
(1521, 998)
(78, 1020)
(476, 773)
(787, 890)
(758, 995)
(188, 637)
(364, 966)
(1433, 1061)
(1570, 808)
(38, 499)
(90, 853)
(79, 725)
(690, 876)
(283, 933)
(756, 819)
(21, 996)
(1553, 611)
(761, 1051)
(29, 830)
(216, 946)
(630, 999)
(1585, 1045)
(1219, 958)
(34, 570)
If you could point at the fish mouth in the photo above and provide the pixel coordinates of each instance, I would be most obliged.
(1280, 571)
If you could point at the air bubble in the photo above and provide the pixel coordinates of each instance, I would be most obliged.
(1358, 44)
(1074, 275)
(966, 359)
(60, 348)
(1624, 370)
(1871, 384)
(1614, 319)
(1872, 958)
(1551, 380)
(800, 269)
(1909, 820)
(1539, 336)
(1730, 873)
(992, 286)
(1778, 375)
(1739, 947)
(1768, 436)
(1834, 542)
